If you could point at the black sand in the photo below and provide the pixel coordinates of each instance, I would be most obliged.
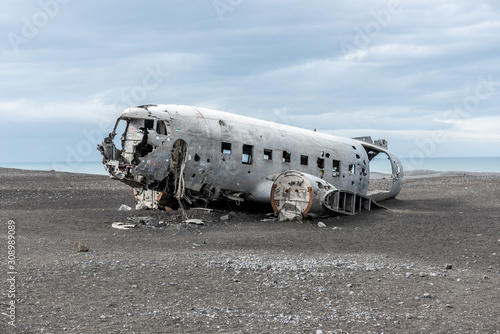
(379, 271)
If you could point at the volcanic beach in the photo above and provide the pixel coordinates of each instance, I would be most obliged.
(429, 262)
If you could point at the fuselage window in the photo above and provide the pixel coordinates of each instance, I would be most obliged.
(163, 128)
(149, 123)
(268, 154)
(321, 163)
(336, 168)
(246, 157)
(351, 169)
(304, 160)
(226, 148)
(286, 156)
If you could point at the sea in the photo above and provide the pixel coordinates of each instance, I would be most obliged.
(381, 165)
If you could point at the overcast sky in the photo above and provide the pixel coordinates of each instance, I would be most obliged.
(424, 75)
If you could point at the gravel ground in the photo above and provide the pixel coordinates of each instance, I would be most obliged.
(427, 264)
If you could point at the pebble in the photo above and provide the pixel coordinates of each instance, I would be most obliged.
(422, 274)
(321, 224)
(81, 247)
(408, 275)
(427, 295)
(448, 266)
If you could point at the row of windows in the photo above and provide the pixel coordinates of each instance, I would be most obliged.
(247, 155)
(162, 127)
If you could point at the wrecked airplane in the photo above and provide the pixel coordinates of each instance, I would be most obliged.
(173, 154)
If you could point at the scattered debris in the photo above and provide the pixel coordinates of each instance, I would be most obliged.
(321, 224)
(195, 221)
(226, 217)
(152, 222)
(448, 266)
(427, 295)
(336, 228)
(122, 226)
(124, 207)
(141, 206)
(148, 221)
(81, 247)
(203, 209)
(269, 220)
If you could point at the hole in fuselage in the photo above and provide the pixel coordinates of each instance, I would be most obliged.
(380, 173)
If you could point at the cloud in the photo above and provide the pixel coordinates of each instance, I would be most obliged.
(22, 111)
(282, 60)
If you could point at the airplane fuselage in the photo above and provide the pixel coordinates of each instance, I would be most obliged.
(215, 154)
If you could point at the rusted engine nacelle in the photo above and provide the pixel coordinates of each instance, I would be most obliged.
(296, 195)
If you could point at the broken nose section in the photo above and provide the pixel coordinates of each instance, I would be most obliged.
(152, 166)
(114, 163)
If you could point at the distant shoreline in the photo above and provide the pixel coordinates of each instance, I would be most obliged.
(424, 173)
(425, 166)
(411, 174)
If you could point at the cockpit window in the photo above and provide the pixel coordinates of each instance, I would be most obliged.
(120, 130)
(149, 123)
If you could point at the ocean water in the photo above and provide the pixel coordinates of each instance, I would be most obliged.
(381, 165)
(490, 164)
